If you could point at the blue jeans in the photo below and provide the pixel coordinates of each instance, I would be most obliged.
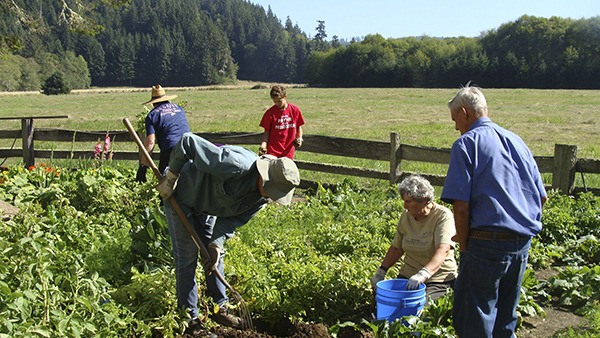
(488, 288)
(210, 229)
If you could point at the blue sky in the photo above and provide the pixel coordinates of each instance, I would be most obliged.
(436, 18)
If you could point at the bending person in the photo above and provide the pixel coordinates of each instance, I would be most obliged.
(229, 182)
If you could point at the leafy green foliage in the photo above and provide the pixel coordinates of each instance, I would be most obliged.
(89, 255)
(571, 228)
(527, 303)
(62, 261)
(577, 288)
(288, 269)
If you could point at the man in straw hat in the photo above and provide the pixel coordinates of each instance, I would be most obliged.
(165, 124)
(230, 182)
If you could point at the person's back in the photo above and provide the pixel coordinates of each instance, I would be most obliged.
(168, 122)
(165, 124)
(504, 179)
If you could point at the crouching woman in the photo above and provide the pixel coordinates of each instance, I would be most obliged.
(423, 240)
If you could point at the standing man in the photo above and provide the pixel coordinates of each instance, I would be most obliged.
(283, 126)
(165, 124)
(497, 194)
(231, 183)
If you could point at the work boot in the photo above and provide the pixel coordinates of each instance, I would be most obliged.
(195, 327)
(215, 253)
(223, 317)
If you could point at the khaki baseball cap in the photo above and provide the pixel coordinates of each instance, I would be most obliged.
(280, 177)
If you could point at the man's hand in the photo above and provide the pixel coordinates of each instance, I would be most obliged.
(167, 185)
(418, 279)
(298, 142)
(141, 173)
(379, 276)
(262, 149)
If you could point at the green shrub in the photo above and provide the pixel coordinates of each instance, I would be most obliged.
(55, 85)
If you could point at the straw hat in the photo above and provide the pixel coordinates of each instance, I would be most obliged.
(280, 177)
(159, 95)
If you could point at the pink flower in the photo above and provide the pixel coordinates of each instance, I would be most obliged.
(106, 143)
(98, 150)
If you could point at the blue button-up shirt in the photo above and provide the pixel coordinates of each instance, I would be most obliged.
(494, 171)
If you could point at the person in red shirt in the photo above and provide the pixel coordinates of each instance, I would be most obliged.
(283, 126)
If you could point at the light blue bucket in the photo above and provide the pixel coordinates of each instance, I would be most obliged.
(394, 301)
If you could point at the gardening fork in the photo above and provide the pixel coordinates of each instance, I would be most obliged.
(245, 313)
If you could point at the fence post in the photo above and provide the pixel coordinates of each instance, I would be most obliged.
(27, 136)
(395, 157)
(563, 169)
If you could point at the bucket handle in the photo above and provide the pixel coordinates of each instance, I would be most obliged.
(403, 305)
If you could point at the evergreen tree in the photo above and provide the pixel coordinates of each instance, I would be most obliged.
(55, 85)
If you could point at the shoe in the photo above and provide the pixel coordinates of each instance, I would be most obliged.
(195, 327)
(215, 254)
(223, 317)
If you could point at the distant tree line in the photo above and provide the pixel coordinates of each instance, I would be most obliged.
(202, 42)
(531, 52)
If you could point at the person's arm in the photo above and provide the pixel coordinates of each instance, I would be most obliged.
(461, 220)
(262, 149)
(298, 141)
(391, 257)
(434, 264)
(439, 256)
(149, 143)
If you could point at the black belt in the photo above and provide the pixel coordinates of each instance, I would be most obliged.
(495, 235)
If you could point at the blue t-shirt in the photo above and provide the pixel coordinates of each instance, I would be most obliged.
(494, 171)
(168, 123)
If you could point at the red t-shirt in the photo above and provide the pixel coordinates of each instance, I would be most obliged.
(282, 126)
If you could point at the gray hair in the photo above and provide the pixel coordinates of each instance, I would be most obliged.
(417, 187)
(470, 97)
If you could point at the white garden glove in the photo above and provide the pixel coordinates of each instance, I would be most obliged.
(167, 185)
(379, 276)
(418, 279)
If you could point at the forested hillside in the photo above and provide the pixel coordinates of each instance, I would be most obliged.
(175, 42)
(201, 42)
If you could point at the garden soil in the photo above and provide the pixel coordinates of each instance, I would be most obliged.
(556, 320)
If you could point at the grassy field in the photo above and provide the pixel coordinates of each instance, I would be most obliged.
(542, 118)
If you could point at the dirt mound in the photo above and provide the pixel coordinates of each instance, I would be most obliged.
(284, 328)
(556, 320)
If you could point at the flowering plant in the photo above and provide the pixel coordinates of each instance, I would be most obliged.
(102, 149)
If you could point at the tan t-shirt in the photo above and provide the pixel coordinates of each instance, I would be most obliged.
(419, 240)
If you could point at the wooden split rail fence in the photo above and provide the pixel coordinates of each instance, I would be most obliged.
(563, 166)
